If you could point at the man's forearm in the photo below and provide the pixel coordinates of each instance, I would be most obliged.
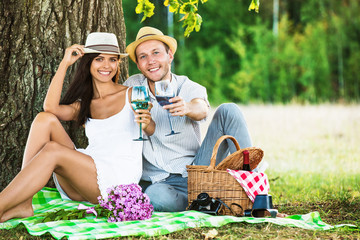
(198, 109)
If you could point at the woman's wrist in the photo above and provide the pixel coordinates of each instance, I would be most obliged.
(64, 64)
(150, 128)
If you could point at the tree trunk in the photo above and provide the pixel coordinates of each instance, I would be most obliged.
(34, 35)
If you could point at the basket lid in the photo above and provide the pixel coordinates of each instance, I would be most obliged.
(235, 160)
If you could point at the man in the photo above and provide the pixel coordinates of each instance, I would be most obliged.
(165, 157)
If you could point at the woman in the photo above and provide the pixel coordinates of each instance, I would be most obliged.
(95, 99)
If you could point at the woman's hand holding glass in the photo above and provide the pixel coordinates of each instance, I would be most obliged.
(143, 116)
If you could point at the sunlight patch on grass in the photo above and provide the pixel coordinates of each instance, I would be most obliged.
(321, 138)
(316, 138)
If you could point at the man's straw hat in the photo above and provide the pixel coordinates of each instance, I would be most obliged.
(102, 42)
(150, 33)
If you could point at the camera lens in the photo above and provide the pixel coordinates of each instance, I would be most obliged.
(203, 199)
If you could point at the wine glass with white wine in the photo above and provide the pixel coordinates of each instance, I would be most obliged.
(139, 100)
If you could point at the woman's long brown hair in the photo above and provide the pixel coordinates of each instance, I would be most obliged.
(81, 88)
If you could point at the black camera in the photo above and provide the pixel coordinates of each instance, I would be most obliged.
(206, 204)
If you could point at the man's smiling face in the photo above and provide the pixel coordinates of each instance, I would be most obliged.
(153, 60)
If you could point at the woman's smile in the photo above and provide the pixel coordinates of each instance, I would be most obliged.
(104, 67)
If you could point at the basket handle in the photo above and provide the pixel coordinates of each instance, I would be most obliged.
(216, 147)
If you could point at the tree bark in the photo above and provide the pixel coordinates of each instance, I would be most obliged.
(34, 35)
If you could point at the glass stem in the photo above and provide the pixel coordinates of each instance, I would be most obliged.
(170, 122)
(141, 136)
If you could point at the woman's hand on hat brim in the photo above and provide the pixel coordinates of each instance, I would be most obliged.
(73, 53)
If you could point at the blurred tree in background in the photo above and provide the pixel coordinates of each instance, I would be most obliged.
(309, 52)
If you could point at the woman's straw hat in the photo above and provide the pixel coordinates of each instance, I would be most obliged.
(150, 33)
(102, 42)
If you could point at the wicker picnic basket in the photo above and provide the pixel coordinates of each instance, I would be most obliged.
(218, 183)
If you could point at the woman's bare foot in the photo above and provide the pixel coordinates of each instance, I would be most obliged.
(281, 215)
(22, 210)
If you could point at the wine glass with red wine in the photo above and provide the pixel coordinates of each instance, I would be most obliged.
(163, 92)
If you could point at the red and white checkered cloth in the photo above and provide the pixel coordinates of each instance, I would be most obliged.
(254, 183)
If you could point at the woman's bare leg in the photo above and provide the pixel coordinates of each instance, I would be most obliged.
(45, 127)
(77, 168)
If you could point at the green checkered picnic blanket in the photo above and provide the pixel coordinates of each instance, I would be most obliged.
(48, 199)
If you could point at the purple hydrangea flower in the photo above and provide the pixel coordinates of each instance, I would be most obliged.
(126, 202)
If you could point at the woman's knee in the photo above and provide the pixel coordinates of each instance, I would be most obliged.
(45, 118)
(52, 149)
(49, 154)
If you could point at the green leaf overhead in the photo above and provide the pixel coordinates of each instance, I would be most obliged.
(145, 7)
(188, 8)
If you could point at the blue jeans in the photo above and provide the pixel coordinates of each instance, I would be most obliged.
(227, 120)
(171, 195)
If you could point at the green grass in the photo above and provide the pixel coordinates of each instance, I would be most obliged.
(314, 165)
(335, 197)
